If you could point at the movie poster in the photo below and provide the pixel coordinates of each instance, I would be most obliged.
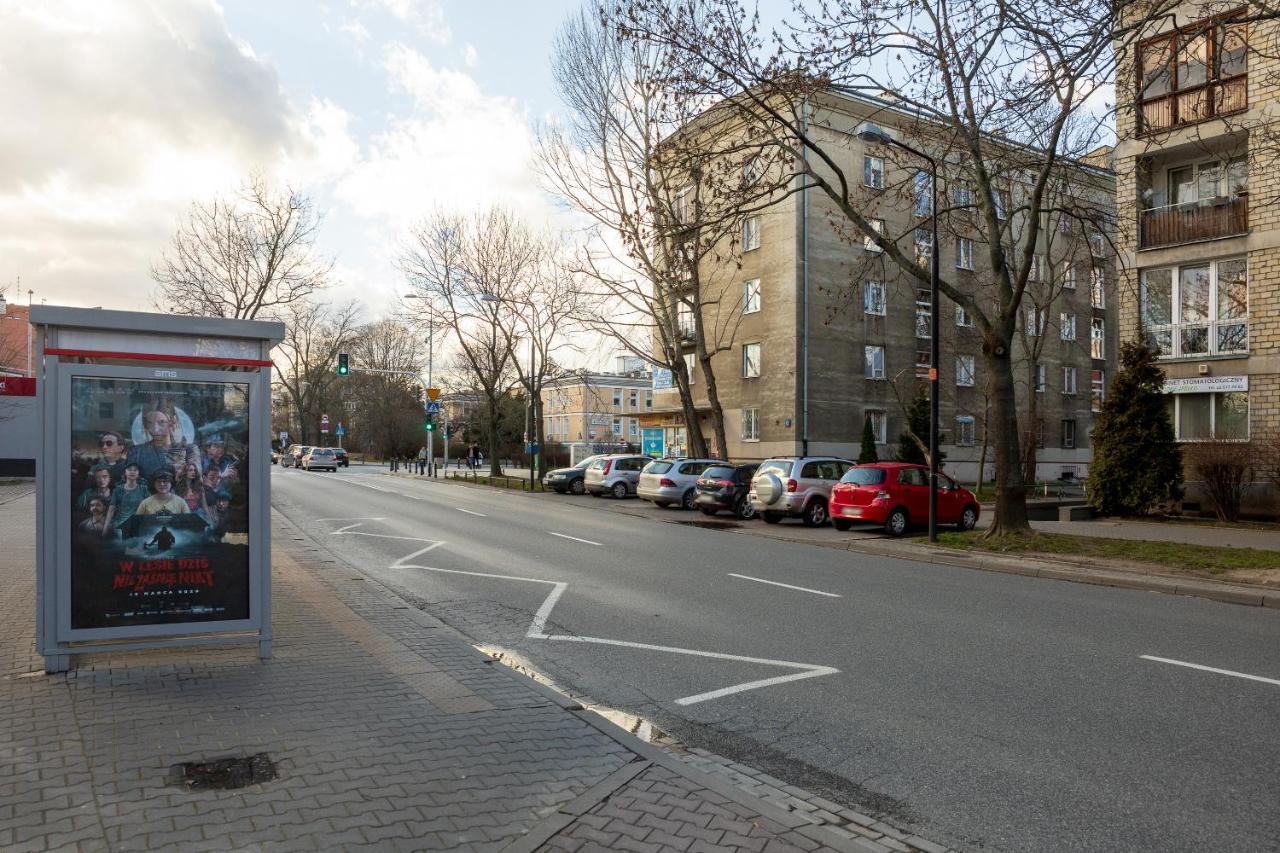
(159, 502)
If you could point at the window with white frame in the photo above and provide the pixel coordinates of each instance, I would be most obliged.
(1098, 338)
(684, 319)
(1198, 309)
(923, 363)
(962, 195)
(1068, 380)
(752, 171)
(1041, 382)
(1208, 180)
(633, 427)
(648, 399)
(751, 424)
(690, 362)
(922, 190)
(617, 398)
(873, 362)
(617, 426)
(964, 253)
(1068, 275)
(1205, 417)
(964, 371)
(750, 361)
(751, 296)
(1068, 433)
(924, 246)
(879, 424)
(962, 317)
(924, 322)
(873, 298)
(634, 399)
(877, 225)
(1064, 225)
(1097, 390)
(873, 172)
(1067, 326)
(1036, 319)
(1037, 268)
(680, 205)
(1098, 287)
(1097, 245)
(966, 430)
(1001, 200)
(751, 233)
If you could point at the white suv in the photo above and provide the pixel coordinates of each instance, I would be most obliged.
(617, 475)
(673, 481)
(798, 486)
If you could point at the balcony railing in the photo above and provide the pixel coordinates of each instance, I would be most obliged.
(1197, 220)
(1189, 106)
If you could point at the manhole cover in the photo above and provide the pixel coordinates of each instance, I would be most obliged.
(223, 773)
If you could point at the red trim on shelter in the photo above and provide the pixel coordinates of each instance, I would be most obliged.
(17, 386)
(150, 356)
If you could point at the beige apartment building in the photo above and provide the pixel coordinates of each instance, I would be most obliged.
(596, 412)
(1199, 236)
(832, 333)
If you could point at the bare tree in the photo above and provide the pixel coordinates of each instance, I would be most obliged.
(244, 254)
(306, 360)
(386, 403)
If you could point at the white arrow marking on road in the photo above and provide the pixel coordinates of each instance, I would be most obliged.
(537, 628)
(574, 538)
(786, 585)
(1212, 669)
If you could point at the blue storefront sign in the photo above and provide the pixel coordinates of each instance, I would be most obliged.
(652, 442)
(662, 378)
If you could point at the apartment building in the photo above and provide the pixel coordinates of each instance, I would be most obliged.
(598, 412)
(832, 333)
(1199, 237)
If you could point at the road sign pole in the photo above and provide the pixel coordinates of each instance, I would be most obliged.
(431, 436)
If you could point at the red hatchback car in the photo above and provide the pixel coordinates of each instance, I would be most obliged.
(896, 494)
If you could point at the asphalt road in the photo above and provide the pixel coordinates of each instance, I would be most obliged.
(988, 712)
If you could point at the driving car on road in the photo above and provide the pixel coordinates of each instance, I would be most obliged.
(672, 481)
(796, 486)
(571, 479)
(617, 475)
(896, 495)
(320, 458)
(341, 456)
(292, 457)
(725, 487)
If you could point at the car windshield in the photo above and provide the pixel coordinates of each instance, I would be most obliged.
(781, 467)
(864, 476)
(718, 472)
(657, 467)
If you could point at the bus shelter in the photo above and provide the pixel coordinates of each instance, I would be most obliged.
(153, 492)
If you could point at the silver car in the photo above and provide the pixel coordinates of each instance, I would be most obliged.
(320, 458)
(796, 487)
(617, 475)
(673, 481)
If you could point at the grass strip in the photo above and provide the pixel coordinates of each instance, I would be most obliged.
(1162, 555)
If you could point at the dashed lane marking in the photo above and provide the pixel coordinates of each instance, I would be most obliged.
(1200, 666)
(785, 585)
(574, 538)
(470, 512)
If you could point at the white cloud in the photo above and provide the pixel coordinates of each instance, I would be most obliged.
(358, 32)
(470, 56)
(426, 16)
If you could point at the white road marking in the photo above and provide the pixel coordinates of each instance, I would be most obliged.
(470, 512)
(786, 585)
(352, 518)
(574, 538)
(1274, 681)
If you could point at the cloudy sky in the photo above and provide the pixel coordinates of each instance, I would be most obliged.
(118, 113)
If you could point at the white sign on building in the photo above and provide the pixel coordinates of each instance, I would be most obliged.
(1206, 384)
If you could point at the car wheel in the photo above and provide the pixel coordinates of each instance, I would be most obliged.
(968, 518)
(577, 486)
(744, 510)
(771, 517)
(815, 514)
(841, 525)
(896, 523)
(686, 500)
(619, 490)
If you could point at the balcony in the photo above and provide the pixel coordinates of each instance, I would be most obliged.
(1189, 106)
(1210, 219)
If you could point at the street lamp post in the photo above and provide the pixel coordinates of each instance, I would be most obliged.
(873, 134)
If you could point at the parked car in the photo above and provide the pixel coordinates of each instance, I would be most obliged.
(340, 455)
(292, 456)
(796, 486)
(725, 487)
(896, 495)
(617, 474)
(320, 458)
(672, 481)
(275, 455)
(571, 479)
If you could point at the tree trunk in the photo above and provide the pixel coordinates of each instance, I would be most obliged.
(1011, 491)
(1033, 416)
(717, 411)
(539, 436)
(697, 444)
(495, 468)
(982, 455)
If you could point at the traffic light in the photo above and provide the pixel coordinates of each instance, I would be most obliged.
(431, 424)
(344, 364)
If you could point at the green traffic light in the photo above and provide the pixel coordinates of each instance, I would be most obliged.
(431, 426)
(344, 364)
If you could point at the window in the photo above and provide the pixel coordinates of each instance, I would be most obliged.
(962, 195)
(617, 398)
(873, 298)
(751, 233)
(964, 371)
(684, 320)
(879, 424)
(1001, 201)
(877, 225)
(923, 323)
(750, 361)
(617, 426)
(1067, 326)
(1098, 287)
(924, 246)
(752, 170)
(1197, 310)
(1098, 338)
(1064, 225)
(962, 317)
(1041, 383)
(1068, 434)
(751, 296)
(1037, 268)
(690, 363)
(964, 253)
(966, 430)
(648, 399)
(633, 427)
(1036, 318)
(680, 206)
(634, 399)
(1188, 76)
(1097, 390)
(922, 191)
(1068, 275)
(1209, 180)
(1068, 380)
(873, 172)
(873, 362)
(751, 424)
(1202, 417)
(923, 363)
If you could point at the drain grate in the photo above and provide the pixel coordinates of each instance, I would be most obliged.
(223, 773)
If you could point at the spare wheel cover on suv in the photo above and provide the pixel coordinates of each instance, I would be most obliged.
(769, 488)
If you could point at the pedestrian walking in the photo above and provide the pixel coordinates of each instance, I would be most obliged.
(422, 460)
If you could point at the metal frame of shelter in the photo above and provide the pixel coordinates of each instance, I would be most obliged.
(125, 345)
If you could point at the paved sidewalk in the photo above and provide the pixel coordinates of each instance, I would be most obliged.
(389, 732)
